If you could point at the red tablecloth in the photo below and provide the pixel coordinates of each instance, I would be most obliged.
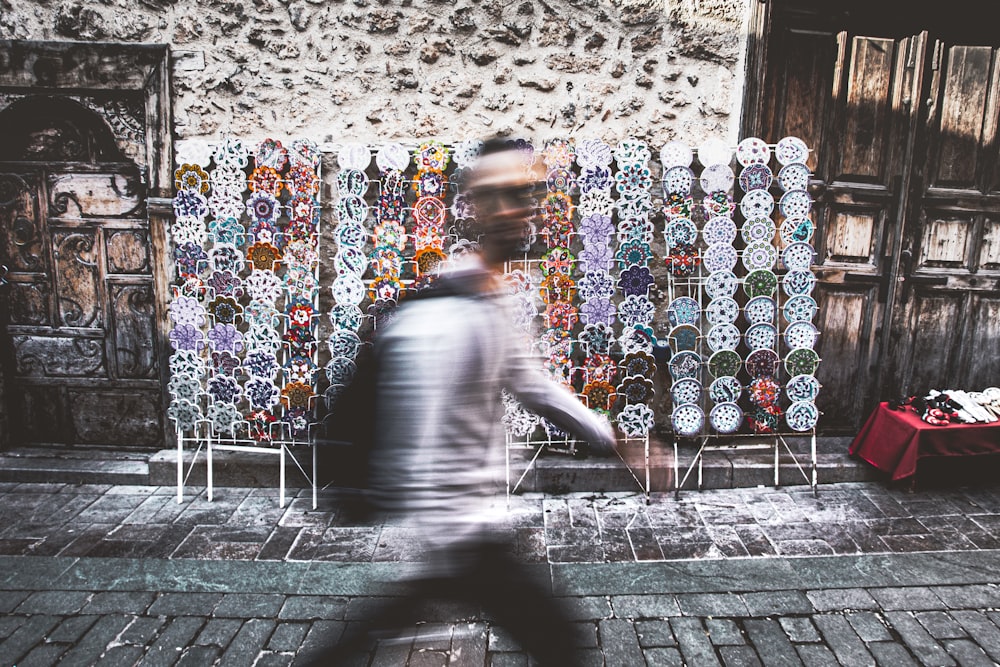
(893, 440)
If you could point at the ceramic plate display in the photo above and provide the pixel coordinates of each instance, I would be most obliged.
(790, 150)
(795, 204)
(760, 309)
(753, 150)
(761, 336)
(759, 255)
(800, 309)
(757, 204)
(720, 284)
(685, 365)
(802, 416)
(798, 256)
(802, 361)
(687, 390)
(717, 178)
(719, 229)
(714, 151)
(723, 310)
(678, 231)
(726, 417)
(758, 230)
(761, 282)
(725, 389)
(796, 283)
(761, 363)
(683, 337)
(796, 229)
(724, 362)
(719, 257)
(678, 180)
(756, 177)
(724, 337)
(683, 310)
(794, 176)
(687, 419)
(801, 334)
(802, 388)
(676, 154)
(764, 391)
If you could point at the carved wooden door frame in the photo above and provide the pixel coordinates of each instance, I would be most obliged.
(75, 69)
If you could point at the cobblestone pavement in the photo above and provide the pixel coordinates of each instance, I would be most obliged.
(861, 574)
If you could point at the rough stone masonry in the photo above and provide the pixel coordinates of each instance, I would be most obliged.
(379, 70)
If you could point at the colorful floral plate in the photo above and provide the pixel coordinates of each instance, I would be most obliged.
(802, 416)
(796, 229)
(687, 419)
(726, 417)
(756, 177)
(761, 282)
(725, 389)
(683, 310)
(802, 361)
(753, 150)
(678, 231)
(759, 255)
(724, 362)
(761, 363)
(758, 230)
(724, 337)
(720, 284)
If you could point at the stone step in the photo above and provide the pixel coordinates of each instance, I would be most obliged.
(730, 464)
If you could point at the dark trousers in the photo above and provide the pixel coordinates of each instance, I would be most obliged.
(484, 574)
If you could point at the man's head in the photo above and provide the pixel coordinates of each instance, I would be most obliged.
(500, 189)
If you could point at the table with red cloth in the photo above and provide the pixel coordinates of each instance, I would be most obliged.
(894, 440)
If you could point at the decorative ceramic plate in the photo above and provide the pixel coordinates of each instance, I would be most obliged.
(726, 389)
(760, 309)
(802, 416)
(719, 229)
(757, 204)
(683, 337)
(723, 310)
(726, 417)
(796, 283)
(685, 365)
(683, 310)
(717, 178)
(796, 229)
(764, 391)
(756, 177)
(761, 363)
(724, 362)
(798, 256)
(676, 154)
(795, 204)
(687, 419)
(348, 289)
(714, 151)
(678, 180)
(802, 361)
(724, 337)
(800, 308)
(753, 150)
(757, 230)
(759, 255)
(719, 257)
(790, 150)
(794, 176)
(761, 282)
(802, 388)
(720, 284)
(761, 336)
(678, 231)
(687, 390)
(801, 334)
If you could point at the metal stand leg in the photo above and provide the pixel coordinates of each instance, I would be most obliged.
(314, 477)
(281, 474)
(180, 467)
(209, 470)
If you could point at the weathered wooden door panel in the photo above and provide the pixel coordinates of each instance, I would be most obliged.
(944, 325)
(855, 93)
(81, 314)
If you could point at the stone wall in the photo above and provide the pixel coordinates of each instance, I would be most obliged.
(375, 70)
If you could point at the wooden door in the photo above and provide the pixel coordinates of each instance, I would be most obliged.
(78, 351)
(946, 323)
(901, 243)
